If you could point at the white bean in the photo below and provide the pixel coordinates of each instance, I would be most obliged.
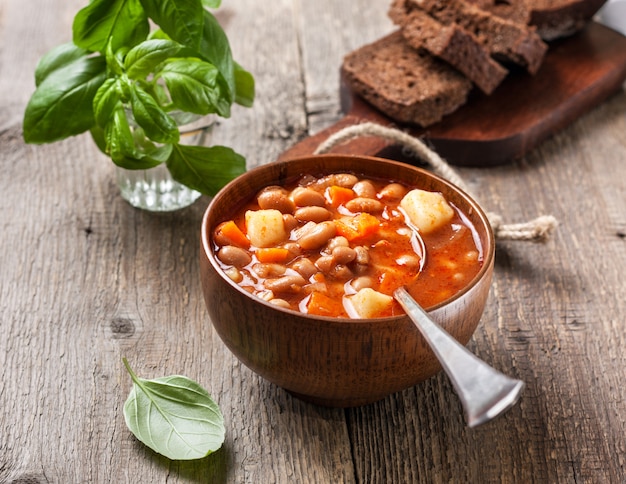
(317, 236)
(306, 197)
(234, 256)
(312, 214)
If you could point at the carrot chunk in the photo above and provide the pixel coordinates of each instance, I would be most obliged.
(323, 305)
(228, 233)
(357, 227)
(272, 254)
(337, 195)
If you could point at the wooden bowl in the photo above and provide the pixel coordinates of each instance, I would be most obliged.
(329, 361)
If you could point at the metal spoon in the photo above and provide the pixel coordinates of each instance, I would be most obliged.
(484, 392)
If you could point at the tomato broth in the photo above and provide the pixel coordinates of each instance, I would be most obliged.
(339, 245)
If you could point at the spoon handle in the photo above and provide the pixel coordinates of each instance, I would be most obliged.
(484, 392)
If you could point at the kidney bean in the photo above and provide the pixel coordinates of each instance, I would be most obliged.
(346, 180)
(265, 295)
(325, 263)
(362, 282)
(234, 256)
(362, 255)
(291, 283)
(306, 197)
(320, 287)
(393, 191)
(269, 269)
(364, 189)
(277, 198)
(304, 267)
(317, 236)
(294, 249)
(343, 255)
(234, 274)
(300, 231)
(312, 214)
(281, 303)
(290, 222)
(339, 241)
(341, 272)
(361, 204)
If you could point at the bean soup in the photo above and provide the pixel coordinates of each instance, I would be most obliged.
(339, 245)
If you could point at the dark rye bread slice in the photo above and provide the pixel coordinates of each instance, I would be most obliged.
(560, 18)
(508, 41)
(514, 10)
(552, 18)
(407, 85)
(452, 44)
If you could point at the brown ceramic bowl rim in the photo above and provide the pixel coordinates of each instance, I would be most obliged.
(488, 249)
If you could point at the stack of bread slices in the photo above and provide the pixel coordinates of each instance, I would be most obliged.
(443, 48)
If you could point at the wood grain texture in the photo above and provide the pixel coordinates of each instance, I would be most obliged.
(85, 280)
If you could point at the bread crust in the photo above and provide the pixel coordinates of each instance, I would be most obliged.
(407, 85)
(453, 44)
(561, 18)
(507, 41)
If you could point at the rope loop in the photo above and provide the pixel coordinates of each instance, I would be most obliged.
(536, 230)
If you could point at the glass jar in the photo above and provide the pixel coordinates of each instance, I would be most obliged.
(154, 189)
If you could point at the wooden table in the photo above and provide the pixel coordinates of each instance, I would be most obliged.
(87, 280)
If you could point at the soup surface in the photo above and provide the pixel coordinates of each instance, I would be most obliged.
(339, 246)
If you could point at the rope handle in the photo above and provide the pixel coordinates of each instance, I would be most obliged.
(536, 230)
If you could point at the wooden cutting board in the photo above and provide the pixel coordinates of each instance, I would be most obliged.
(578, 73)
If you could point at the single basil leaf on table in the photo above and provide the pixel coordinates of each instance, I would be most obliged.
(205, 169)
(58, 57)
(193, 86)
(145, 57)
(61, 106)
(181, 20)
(158, 125)
(174, 416)
(123, 22)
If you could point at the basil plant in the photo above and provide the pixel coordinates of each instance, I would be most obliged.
(132, 66)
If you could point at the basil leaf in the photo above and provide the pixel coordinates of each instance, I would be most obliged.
(145, 57)
(211, 3)
(174, 416)
(180, 19)
(215, 49)
(106, 100)
(58, 57)
(123, 22)
(115, 60)
(157, 124)
(244, 87)
(205, 169)
(193, 86)
(61, 106)
(99, 138)
(121, 145)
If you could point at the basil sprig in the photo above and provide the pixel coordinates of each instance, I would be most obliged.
(174, 416)
(125, 84)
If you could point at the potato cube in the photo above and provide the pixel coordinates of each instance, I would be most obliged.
(428, 211)
(265, 228)
(368, 303)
